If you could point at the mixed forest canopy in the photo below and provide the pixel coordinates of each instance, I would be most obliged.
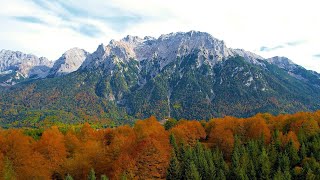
(260, 147)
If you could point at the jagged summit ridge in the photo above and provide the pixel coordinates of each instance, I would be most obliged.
(165, 49)
(188, 75)
(16, 60)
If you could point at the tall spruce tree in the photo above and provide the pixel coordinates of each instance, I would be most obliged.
(174, 171)
(92, 175)
(264, 165)
(104, 177)
(68, 177)
(192, 172)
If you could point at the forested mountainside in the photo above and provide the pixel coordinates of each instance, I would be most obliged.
(181, 75)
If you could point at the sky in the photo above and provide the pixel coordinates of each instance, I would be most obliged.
(289, 28)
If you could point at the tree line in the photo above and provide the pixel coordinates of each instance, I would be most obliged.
(260, 147)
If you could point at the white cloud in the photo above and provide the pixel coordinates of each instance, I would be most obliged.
(247, 24)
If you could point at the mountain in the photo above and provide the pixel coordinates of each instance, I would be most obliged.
(296, 70)
(188, 75)
(69, 62)
(16, 67)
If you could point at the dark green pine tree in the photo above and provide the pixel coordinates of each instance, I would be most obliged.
(292, 153)
(104, 177)
(264, 165)
(274, 149)
(187, 156)
(212, 172)
(192, 172)
(276, 139)
(173, 142)
(92, 175)
(221, 175)
(303, 151)
(284, 162)
(222, 168)
(174, 171)
(287, 174)
(170, 123)
(244, 162)
(237, 168)
(68, 177)
(251, 171)
(279, 175)
(200, 161)
(310, 175)
(254, 151)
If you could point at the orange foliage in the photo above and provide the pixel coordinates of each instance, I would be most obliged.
(72, 143)
(152, 149)
(139, 152)
(222, 138)
(256, 128)
(86, 132)
(148, 157)
(84, 150)
(26, 163)
(188, 132)
(118, 143)
(1, 163)
(51, 146)
(223, 131)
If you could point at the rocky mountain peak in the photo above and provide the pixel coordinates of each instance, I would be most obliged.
(168, 48)
(16, 66)
(165, 49)
(132, 39)
(282, 62)
(18, 61)
(69, 62)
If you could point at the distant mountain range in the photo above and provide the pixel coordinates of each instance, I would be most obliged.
(16, 67)
(182, 75)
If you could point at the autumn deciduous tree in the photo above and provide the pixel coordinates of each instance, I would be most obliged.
(25, 163)
(51, 146)
(152, 149)
(72, 143)
(84, 152)
(222, 139)
(1, 163)
(188, 132)
(222, 133)
(86, 132)
(257, 128)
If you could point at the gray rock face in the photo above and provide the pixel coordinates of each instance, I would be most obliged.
(283, 62)
(69, 62)
(156, 53)
(249, 56)
(15, 66)
(165, 49)
(27, 64)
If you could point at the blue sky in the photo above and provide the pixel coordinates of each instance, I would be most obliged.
(266, 27)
